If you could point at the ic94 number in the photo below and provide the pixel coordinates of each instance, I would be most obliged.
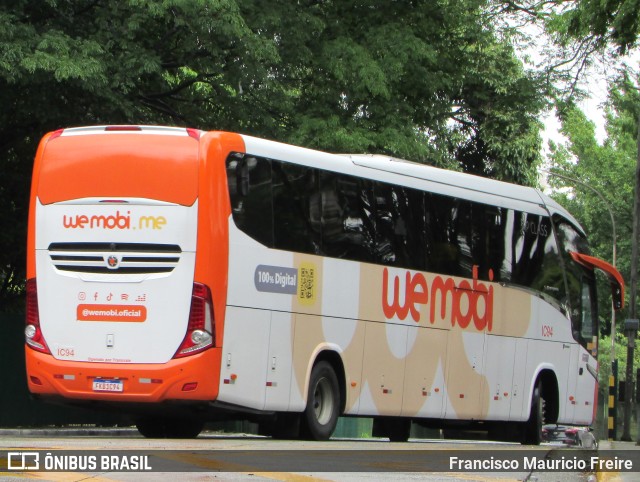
(66, 352)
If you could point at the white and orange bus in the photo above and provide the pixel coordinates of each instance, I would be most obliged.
(183, 276)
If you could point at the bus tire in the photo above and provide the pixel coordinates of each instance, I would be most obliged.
(532, 434)
(321, 414)
(169, 427)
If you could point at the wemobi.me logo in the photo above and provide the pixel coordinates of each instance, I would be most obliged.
(470, 301)
(113, 221)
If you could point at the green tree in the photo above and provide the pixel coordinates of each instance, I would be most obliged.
(604, 355)
(611, 21)
(429, 81)
(68, 63)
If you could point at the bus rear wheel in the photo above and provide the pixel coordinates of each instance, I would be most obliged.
(169, 427)
(320, 416)
(533, 427)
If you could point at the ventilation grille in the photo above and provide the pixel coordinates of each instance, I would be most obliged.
(115, 258)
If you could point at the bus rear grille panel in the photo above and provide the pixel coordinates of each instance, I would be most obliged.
(115, 258)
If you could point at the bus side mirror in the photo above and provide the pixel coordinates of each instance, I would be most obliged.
(615, 278)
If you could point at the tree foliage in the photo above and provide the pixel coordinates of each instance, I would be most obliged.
(577, 35)
(426, 80)
(614, 21)
(604, 355)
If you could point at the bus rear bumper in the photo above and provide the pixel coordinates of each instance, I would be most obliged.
(194, 378)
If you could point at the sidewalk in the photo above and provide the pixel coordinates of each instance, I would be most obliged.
(617, 445)
(70, 432)
(617, 476)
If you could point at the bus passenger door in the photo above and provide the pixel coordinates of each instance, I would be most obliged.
(583, 375)
(582, 386)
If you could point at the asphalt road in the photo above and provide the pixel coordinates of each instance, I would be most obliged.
(123, 455)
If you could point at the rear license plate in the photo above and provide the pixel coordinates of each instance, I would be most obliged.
(108, 385)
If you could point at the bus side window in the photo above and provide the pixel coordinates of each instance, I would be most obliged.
(462, 222)
(249, 184)
(588, 311)
(242, 175)
(440, 233)
(411, 209)
(448, 235)
(385, 252)
(344, 207)
(401, 230)
(295, 189)
(367, 213)
(489, 230)
(532, 254)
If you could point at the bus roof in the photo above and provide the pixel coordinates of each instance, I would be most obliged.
(446, 177)
(115, 161)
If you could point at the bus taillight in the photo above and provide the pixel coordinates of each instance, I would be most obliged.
(32, 333)
(199, 335)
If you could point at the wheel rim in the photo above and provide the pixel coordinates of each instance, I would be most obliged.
(323, 401)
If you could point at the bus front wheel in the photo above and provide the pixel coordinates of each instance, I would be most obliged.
(320, 416)
(533, 427)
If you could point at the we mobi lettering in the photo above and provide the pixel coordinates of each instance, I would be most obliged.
(471, 302)
(118, 220)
